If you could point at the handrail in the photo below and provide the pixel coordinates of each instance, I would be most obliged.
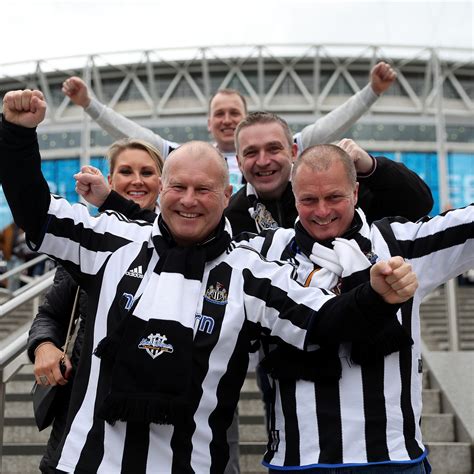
(13, 345)
(13, 354)
(28, 292)
(23, 266)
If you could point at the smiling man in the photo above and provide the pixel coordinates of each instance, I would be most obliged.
(227, 107)
(155, 389)
(352, 409)
(266, 152)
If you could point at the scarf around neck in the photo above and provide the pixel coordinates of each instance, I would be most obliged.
(150, 353)
(342, 263)
(258, 212)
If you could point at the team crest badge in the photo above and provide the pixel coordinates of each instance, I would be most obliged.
(217, 294)
(155, 345)
(263, 218)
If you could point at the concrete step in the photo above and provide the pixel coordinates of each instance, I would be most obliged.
(24, 464)
(438, 427)
(450, 458)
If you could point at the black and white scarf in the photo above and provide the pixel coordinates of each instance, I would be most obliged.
(342, 264)
(151, 351)
(258, 212)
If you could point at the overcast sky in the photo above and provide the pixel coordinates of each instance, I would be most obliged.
(35, 29)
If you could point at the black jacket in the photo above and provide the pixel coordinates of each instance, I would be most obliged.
(391, 190)
(51, 322)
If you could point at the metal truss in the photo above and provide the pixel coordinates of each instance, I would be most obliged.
(281, 78)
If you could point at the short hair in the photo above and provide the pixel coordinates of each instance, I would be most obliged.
(201, 149)
(321, 157)
(260, 117)
(228, 91)
(117, 147)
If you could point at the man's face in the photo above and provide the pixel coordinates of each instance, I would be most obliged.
(226, 111)
(265, 158)
(193, 196)
(325, 200)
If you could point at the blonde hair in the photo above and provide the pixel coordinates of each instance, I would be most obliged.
(117, 147)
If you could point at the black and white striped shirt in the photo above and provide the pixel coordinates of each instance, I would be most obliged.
(372, 414)
(241, 297)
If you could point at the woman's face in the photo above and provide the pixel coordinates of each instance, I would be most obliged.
(136, 177)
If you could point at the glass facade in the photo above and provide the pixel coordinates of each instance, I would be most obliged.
(59, 175)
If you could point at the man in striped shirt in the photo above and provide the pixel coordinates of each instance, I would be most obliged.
(344, 408)
(227, 107)
(174, 307)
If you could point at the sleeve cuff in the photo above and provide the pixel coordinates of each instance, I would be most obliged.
(372, 170)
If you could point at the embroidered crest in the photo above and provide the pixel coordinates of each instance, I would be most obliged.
(155, 345)
(216, 295)
(263, 218)
(372, 257)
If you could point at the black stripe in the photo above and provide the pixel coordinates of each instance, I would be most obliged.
(278, 299)
(267, 243)
(375, 414)
(422, 246)
(329, 423)
(269, 391)
(137, 440)
(292, 435)
(94, 444)
(409, 422)
(203, 345)
(88, 238)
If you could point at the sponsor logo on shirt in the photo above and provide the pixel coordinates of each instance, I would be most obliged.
(136, 272)
(155, 345)
(204, 323)
(128, 300)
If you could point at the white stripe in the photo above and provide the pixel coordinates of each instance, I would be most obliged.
(352, 409)
(307, 421)
(114, 443)
(160, 454)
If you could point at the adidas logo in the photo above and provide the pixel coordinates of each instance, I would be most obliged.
(135, 272)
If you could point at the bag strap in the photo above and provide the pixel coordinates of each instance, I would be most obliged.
(73, 312)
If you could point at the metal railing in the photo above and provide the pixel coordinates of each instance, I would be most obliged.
(13, 348)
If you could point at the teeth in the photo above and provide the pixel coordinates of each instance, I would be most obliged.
(265, 173)
(324, 222)
(137, 193)
(188, 214)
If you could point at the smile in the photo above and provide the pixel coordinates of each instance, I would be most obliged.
(188, 215)
(265, 173)
(137, 193)
(324, 223)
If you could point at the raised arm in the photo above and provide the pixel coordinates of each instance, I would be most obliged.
(112, 122)
(25, 188)
(333, 125)
(388, 188)
(299, 315)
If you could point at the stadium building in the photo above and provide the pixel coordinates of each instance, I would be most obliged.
(425, 120)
